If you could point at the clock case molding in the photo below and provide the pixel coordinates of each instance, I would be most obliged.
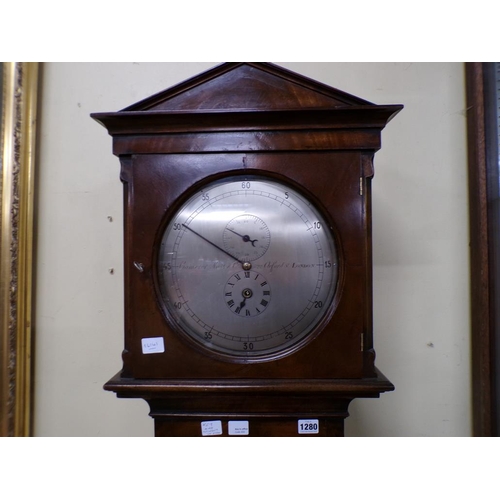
(260, 119)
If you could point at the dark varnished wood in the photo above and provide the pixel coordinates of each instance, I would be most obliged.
(131, 122)
(336, 353)
(243, 141)
(266, 426)
(272, 407)
(155, 388)
(248, 85)
(255, 118)
(483, 203)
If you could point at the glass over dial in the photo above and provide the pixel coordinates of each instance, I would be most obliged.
(248, 268)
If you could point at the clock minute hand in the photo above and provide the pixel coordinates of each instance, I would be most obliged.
(245, 238)
(211, 243)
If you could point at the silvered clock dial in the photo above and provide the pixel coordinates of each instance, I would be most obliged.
(247, 268)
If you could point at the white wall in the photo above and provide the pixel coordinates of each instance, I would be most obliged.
(420, 230)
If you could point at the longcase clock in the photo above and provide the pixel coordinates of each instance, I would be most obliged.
(248, 261)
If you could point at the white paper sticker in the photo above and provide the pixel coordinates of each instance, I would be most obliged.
(310, 426)
(153, 345)
(211, 428)
(238, 427)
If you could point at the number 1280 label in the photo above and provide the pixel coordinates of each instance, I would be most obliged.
(308, 426)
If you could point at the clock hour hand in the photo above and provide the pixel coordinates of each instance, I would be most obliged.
(245, 237)
(211, 243)
(247, 293)
(242, 305)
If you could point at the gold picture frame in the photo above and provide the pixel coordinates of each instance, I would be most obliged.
(18, 111)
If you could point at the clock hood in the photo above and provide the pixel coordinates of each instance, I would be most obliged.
(249, 86)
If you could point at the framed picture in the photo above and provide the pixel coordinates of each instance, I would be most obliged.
(18, 105)
(483, 101)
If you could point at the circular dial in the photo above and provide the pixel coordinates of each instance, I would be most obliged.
(247, 293)
(247, 237)
(248, 268)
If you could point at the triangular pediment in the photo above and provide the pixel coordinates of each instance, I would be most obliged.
(247, 86)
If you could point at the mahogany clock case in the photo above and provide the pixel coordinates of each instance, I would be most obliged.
(252, 119)
(160, 183)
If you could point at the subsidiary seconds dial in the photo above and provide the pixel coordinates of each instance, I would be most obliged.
(248, 268)
(247, 237)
